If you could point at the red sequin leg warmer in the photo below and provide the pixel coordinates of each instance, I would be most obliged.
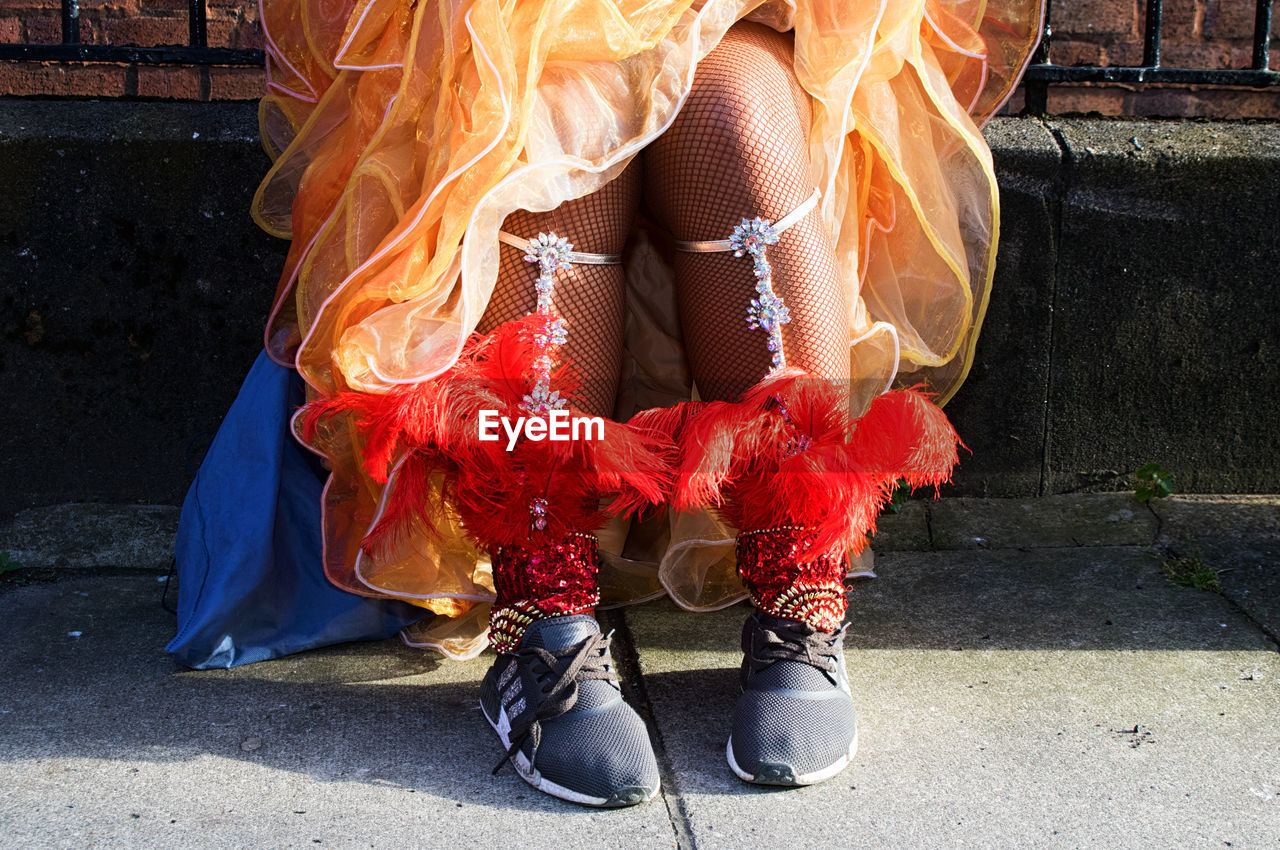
(534, 582)
(782, 582)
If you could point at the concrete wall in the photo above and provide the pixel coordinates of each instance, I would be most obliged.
(1133, 316)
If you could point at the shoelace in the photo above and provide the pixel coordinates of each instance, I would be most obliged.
(799, 642)
(558, 671)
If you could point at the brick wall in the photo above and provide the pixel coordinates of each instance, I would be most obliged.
(144, 23)
(1197, 34)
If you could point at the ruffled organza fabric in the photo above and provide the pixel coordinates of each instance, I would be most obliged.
(404, 133)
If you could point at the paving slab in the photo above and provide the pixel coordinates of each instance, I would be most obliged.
(105, 741)
(1052, 698)
(1236, 535)
(1072, 519)
(1250, 576)
(1044, 693)
(905, 530)
(1212, 516)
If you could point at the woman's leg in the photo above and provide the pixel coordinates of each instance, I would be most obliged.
(739, 149)
(552, 692)
(591, 298)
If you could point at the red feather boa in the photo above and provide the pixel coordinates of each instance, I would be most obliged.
(433, 427)
(789, 454)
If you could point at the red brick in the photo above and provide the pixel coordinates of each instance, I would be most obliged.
(173, 83)
(118, 8)
(1107, 100)
(1129, 53)
(1242, 55)
(28, 5)
(240, 83)
(223, 13)
(1181, 19)
(47, 29)
(146, 32)
(1166, 101)
(220, 33)
(1230, 19)
(1206, 103)
(10, 31)
(92, 26)
(1077, 53)
(249, 35)
(234, 32)
(1193, 55)
(1089, 53)
(1090, 19)
(64, 79)
(43, 29)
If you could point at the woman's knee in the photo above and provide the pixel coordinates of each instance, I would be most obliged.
(748, 85)
(740, 144)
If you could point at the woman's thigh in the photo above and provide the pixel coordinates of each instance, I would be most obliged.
(591, 299)
(740, 149)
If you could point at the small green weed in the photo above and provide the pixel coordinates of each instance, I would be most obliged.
(1154, 482)
(1190, 570)
(899, 498)
(7, 564)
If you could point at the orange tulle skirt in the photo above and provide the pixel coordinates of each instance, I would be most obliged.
(403, 134)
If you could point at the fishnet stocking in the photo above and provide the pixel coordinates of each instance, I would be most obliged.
(592, 299)
(737, 150)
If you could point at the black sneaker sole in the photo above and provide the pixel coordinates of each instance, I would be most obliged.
(622, 798)
(781, 774)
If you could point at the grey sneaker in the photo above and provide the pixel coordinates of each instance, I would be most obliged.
(556, 705)
(794, 723)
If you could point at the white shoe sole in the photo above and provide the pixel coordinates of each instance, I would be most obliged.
(783, 775)
(531, 775)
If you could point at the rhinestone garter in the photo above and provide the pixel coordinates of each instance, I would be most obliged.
(766, 311)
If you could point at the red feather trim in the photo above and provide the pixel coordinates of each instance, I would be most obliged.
(411, 498)
(434, 425)
(788, 453)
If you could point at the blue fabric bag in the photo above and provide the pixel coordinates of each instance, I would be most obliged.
(250, 582)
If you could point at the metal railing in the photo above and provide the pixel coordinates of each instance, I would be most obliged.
(1043, 73)
(1040, 75)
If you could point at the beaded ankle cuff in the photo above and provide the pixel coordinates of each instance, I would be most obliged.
(778, 585)
(536, 582)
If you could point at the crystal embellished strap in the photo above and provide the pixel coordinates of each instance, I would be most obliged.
(552, 254)
(766, 312)
(572, 256)
(793, 217)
